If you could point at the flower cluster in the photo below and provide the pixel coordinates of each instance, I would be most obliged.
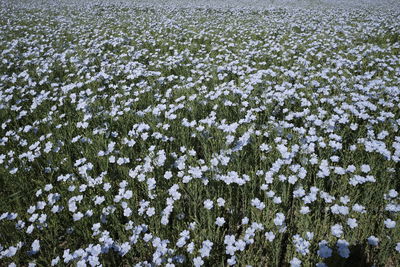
(186, 135)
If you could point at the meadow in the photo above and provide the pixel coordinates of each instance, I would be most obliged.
(199, 133)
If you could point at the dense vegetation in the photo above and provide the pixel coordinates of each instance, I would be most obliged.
(185, 135)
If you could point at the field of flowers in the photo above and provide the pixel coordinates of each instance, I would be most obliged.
(135, 134)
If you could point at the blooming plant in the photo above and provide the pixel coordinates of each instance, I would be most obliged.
(199, 133)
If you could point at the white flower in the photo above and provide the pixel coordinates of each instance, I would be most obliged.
(48, 187)
(55, 261)
(336, 209)
(389, 223)
(35, 246)
(124, 248)
(295, 262)
(359, 208)
(127, 212)
(10, 252)
(198, 262)
(372, 240)
(231, 260)
(270, 236)
(351, 168)
(240, 245)
(337, 230)
(343, 248)
(208, 204)
(77, 216)
(324, 251)
(257, 204)
(345, 199)
(190, 247)
(220, 221)
(99, 199)
(393, 193)
(265, 147)
(168, 175)
(120, 161)
(106, 187)
(245, 220)
(279, 219)
(398, 247)
(206, 248)
(147, 237)
(365, 168)
(220, 202)
(30, 229)
(304, 210)
(150, 211)
(299, 192)
(352, 223)
(31, 209)
(302, 245)
(277, 200)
